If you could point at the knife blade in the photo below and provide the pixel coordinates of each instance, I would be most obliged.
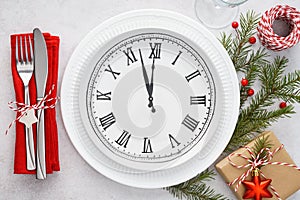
(41, 74)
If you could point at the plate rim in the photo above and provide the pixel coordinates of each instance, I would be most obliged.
(75, 140)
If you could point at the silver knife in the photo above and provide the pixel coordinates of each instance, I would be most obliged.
(40, 73)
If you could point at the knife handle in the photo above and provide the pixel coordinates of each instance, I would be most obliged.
(40, 152)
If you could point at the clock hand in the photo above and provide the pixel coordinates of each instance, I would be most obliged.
(151, 87)
(146, 79)
(151, 83)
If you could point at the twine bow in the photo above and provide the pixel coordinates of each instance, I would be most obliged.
(257, 161)
(23, 108)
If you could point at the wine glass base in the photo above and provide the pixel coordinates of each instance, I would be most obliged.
(214, 16)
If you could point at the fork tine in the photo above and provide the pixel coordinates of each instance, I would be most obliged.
(31, 51)
(25, 70)
(17, 50)
(21, 49)
(26, 50)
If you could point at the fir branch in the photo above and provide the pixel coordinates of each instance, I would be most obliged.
(256, 117)
(254, 65)
(196, 189)
(226, 41)
(241, 48)
(244, 58)
(258, 114)
(272, 73)
(286, 88)
(262, 143)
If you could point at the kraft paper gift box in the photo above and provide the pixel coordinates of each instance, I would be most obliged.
(285, 179)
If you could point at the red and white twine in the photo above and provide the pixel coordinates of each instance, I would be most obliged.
(23, 108)
(266, 33)
(256, 162)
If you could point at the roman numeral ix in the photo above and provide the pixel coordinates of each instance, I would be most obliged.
(103, 96)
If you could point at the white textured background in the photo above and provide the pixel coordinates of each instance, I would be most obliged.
(72, 20)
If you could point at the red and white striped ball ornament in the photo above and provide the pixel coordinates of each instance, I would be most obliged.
(271, 39)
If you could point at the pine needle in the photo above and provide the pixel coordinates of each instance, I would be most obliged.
(262, 143)
(258, 112)
(196, 189)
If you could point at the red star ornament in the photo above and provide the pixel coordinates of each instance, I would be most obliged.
(257, 189)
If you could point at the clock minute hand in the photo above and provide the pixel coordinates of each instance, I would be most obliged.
(146, 79)
(149, 86)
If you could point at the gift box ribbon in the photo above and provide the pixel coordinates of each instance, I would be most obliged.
(254, 162)
(51, 133)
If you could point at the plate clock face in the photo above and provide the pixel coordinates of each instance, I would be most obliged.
(151, 99)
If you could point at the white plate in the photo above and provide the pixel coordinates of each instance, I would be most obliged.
(86, 53)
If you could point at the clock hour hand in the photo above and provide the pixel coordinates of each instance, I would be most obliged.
(149, 86)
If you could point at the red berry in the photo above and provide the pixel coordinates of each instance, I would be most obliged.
(252, 40)
(235, 24)
(244, 82)
(250, 92)
(282, 105)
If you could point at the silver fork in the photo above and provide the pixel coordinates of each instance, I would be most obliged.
(25, 71)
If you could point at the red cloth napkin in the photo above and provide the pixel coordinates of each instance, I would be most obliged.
(51, 135)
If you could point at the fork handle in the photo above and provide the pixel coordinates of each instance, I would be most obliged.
(40, 151)
(30, 154)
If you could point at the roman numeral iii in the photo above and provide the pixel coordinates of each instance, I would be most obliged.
(130, 56)
(107, 120)
(147, 146)
(155, 50)
(190, 123)
(123, 139)
(198, 100)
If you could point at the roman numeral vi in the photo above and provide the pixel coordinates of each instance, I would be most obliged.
(147, 146)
